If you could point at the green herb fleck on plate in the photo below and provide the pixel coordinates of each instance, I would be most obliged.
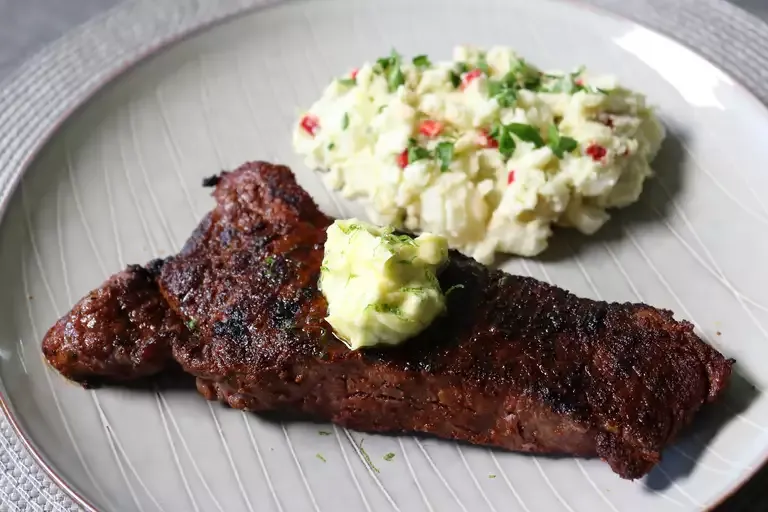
(323, 433)
(319, 456)
(491, 476)
(366, 457)
(388, 457)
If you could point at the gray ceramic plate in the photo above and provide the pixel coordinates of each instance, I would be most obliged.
(119, 183)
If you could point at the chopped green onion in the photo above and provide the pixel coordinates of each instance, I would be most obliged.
(388, 457)
(348, 82)
(345, 121)
(192, 324)
(331, 146)
(324, 433)
(320, 457)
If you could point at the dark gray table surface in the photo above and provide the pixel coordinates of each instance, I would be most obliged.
(28, 25)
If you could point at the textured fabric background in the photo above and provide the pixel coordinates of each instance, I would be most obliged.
(26, 26)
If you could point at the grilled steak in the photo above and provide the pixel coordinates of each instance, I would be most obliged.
(515, 363)
(121, 331)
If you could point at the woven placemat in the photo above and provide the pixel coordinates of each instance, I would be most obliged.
(42, 92)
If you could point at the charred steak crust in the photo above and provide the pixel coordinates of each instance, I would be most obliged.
(121, 331)
(515, 363)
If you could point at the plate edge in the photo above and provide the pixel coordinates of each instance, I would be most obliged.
(121, 27)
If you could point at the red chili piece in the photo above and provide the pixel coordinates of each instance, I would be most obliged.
(596, 151)
(510, 177)
(608, 121)
(353, 74)
(488, 141)
(402, 159)
(470, 77)
(310, 124)
(431, 128)
(579, 82)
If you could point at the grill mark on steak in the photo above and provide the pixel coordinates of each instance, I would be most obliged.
(516, 363)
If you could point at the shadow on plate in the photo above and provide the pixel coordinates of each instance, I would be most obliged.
(679, 460)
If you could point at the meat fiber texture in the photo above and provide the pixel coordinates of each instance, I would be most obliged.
(515, 363)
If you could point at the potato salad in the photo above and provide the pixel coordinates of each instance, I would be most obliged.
(485, 150)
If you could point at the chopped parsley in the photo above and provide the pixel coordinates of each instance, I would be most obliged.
(390, 66)
(319, 456)
(455, 79)
(459, 69)
(345, 121)
(366, 457)
(387, 309)
(504, 92)
(323, 433)
(503, 135)
(388, 457)
(444, 153)
(348, 229)
(527, 133)
(421, 61)
(418, 291)
(491, 476)
(560, 145)
(416, 152)
(348, 82)
(507, 144)
(526, 77)
(192, 324)
(570, 83)
(331, 146)
(482, 64)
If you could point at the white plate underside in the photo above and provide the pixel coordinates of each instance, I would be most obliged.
(120, 184)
